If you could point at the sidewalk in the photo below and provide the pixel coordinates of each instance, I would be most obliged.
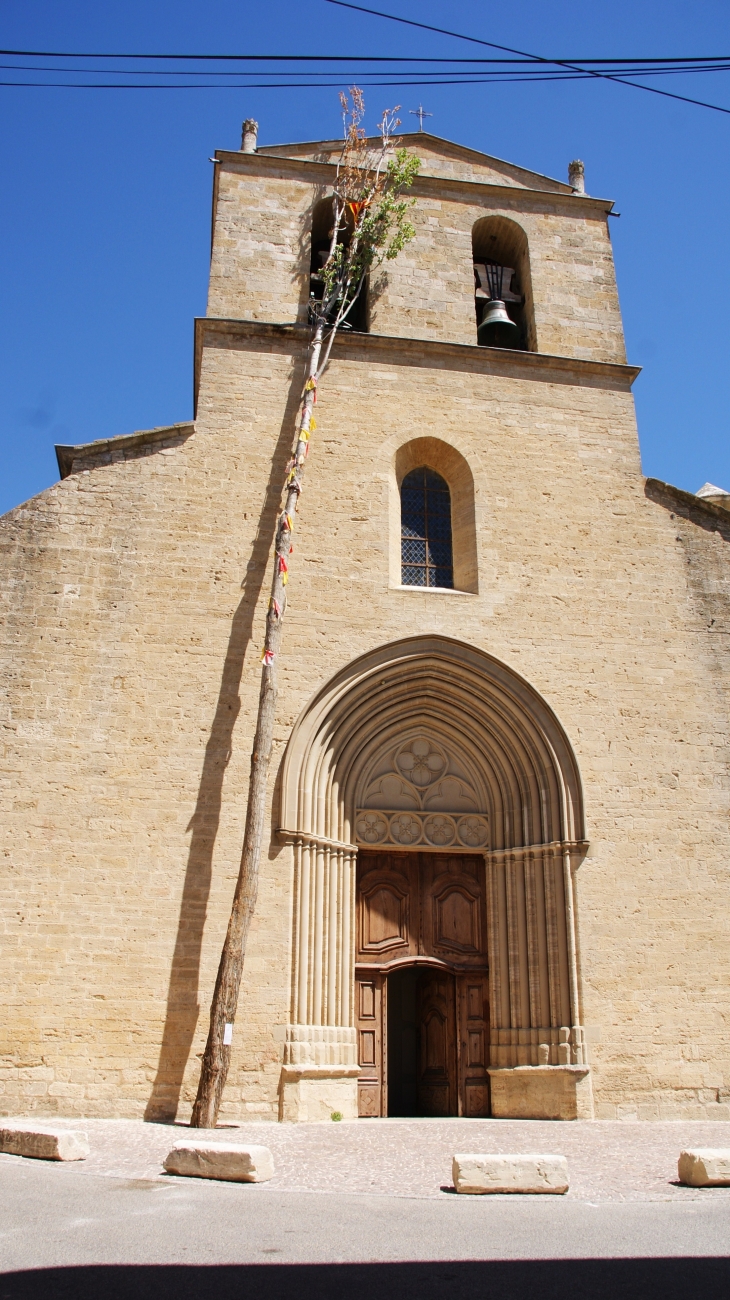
(608, 1160)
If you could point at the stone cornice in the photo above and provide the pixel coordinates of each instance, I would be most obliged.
(397, 350)
(413, 139)
(461, 191)
(71, 459)
(687, 504)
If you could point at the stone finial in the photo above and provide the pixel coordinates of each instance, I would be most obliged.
(577, 176)
(250, 133)
(718, 496)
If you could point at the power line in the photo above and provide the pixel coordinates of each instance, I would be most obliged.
(298, 85)
(536, 73)
(574, 67)
(476, 71)
(345, 58)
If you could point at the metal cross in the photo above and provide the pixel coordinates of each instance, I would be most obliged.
(420, 113)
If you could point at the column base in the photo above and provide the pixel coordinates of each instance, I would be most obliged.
(542, 1092)
(311, 1093)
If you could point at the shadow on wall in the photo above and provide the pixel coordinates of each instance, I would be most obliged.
(591, 1279)
(182, 998)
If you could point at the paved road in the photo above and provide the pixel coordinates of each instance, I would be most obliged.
(67, 1233)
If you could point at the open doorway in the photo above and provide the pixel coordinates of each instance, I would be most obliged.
(421, 1042)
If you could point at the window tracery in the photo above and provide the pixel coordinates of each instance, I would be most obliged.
(426, 544)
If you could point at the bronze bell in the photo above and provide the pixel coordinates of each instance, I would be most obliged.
(496, 329)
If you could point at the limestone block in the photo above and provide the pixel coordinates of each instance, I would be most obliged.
(705, 1167)
(476, 1175)
(44, 1143)
(542, 1092)
(309, 1094)
(230, 1161)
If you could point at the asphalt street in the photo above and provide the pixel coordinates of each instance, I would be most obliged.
(64, 1233)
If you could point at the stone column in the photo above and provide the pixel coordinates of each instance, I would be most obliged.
(320, 1070)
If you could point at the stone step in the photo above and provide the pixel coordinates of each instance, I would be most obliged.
(229, 1161)
(43, 1142)
(705, 1167)
(476, 1175)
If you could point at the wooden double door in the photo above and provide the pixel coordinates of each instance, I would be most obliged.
(421, 995)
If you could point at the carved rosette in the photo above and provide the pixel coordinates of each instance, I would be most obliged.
(473, 832)
(372, 828)
(421, 830)
(422, 796)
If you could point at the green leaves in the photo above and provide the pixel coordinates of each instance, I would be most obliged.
(371, 225)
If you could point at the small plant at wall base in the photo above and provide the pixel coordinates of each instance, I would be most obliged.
(369, 226)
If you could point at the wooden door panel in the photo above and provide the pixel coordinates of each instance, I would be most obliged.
(457, 920)
(369, 1013)
(453, 912)
(473, 1009)
(476, 1100)
(387, 923)
(436, 1015)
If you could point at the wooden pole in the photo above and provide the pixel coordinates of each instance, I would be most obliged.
(356, 188)
(217, 1056)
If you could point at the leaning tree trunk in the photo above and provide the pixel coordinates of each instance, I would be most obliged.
(217, 1056)
(357, 188)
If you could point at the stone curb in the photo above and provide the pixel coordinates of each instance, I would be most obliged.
(705, 1167)
(533, 1173)
(44, 1143)
(228, 1161)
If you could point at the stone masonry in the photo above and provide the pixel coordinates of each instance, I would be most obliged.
(133, 597)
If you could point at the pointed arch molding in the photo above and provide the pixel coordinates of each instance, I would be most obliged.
(429, 744)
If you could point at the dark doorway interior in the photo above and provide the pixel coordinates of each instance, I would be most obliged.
(403, 1042)
(421, 1042)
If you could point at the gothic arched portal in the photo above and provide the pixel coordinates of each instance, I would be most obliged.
(428, 746)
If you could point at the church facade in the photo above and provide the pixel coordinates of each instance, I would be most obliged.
(496, 869)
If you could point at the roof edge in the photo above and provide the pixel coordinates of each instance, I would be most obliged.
(71, 458)
(464, 150)
(423, 184)
(654, 488)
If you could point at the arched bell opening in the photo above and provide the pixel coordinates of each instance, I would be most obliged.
(435, 808)
(502, 285)
(321, 239)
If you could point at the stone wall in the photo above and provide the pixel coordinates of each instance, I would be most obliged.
(133, 598)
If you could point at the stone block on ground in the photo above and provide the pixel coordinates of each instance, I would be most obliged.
(705, 1167)
(476, 1175)
(42, 1142)
(541, 1092)
(229, 1161)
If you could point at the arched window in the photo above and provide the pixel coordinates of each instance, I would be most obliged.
(426, 554)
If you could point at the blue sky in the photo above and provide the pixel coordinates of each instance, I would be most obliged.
(105, 215)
